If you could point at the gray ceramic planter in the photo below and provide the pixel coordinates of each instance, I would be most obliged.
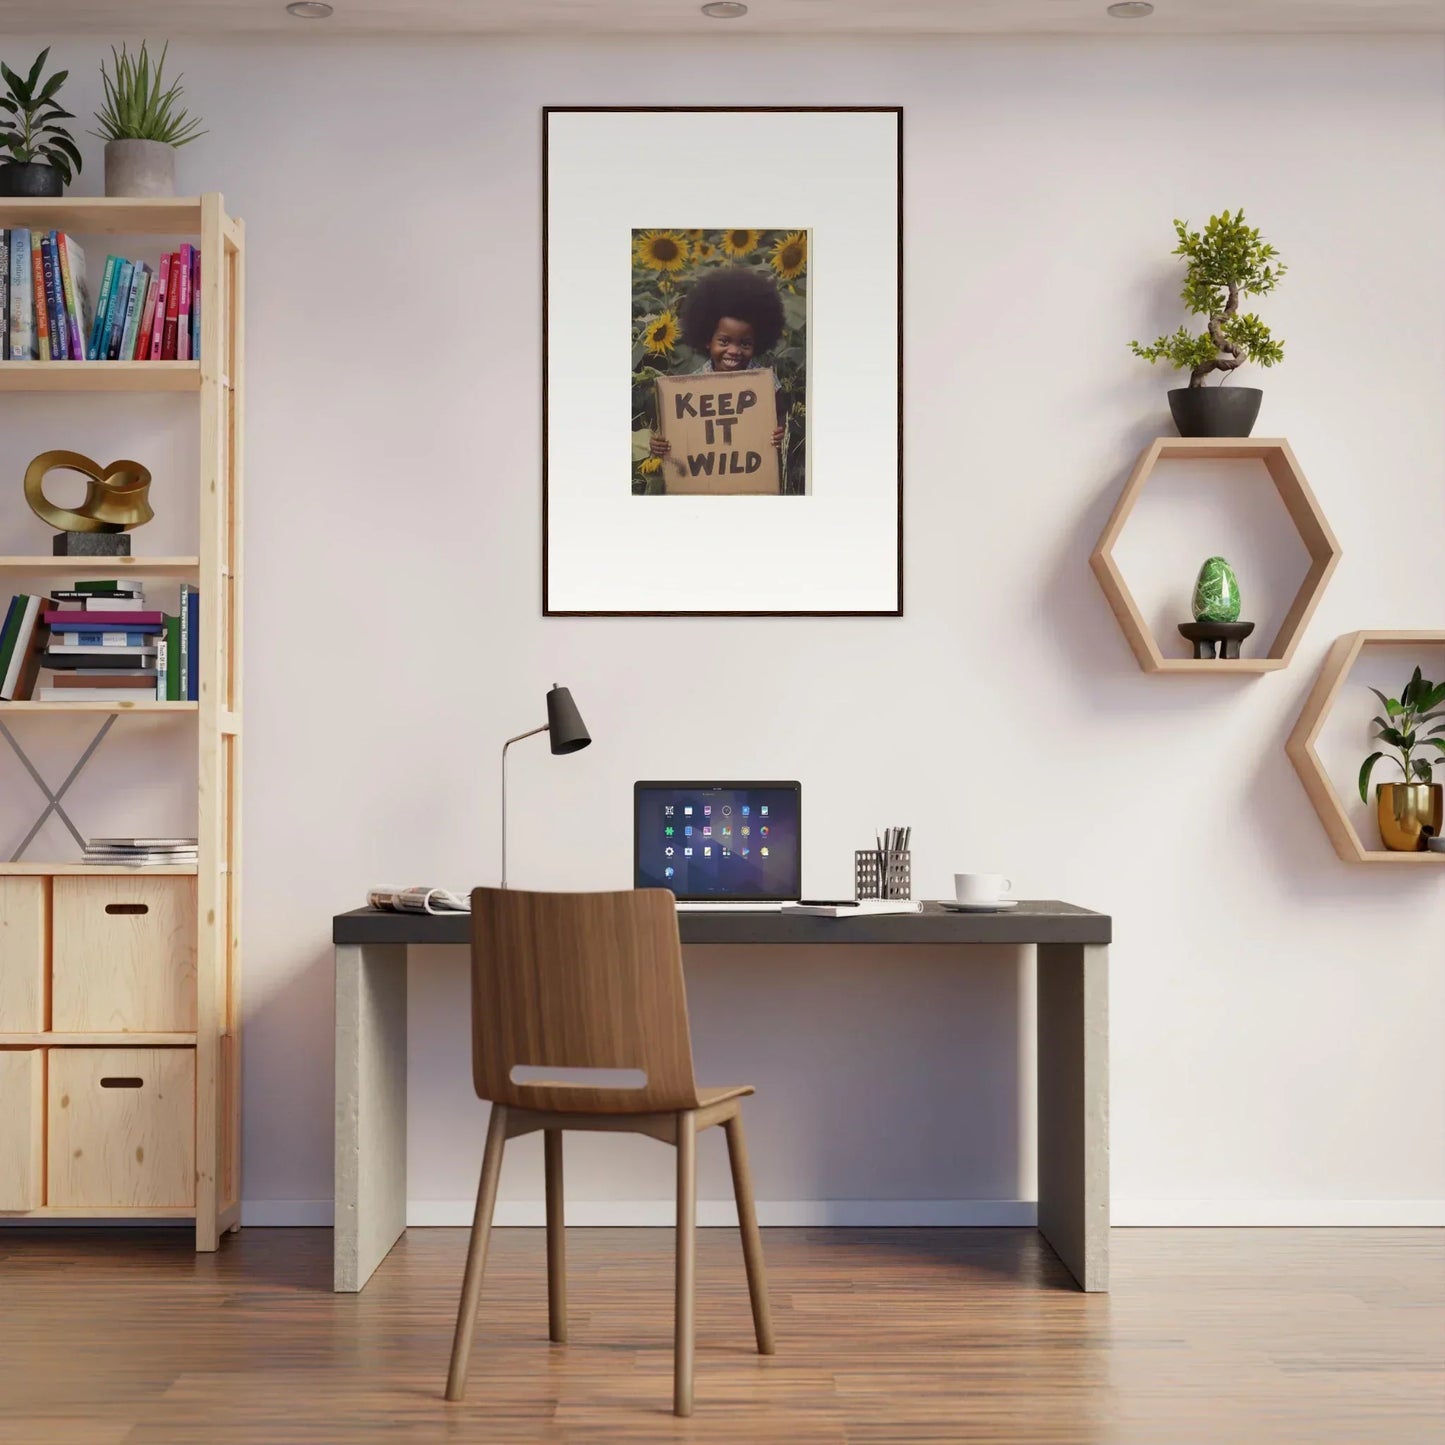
(140, 168)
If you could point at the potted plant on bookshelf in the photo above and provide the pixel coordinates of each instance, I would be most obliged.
(1224, 263)
(142, 125)
(1409, 812)
(42, 156)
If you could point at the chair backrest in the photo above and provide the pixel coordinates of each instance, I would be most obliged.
(579, 981)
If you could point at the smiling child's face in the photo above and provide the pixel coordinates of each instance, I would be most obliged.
(732, 345)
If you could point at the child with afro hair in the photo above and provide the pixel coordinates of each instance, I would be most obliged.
(732, 316)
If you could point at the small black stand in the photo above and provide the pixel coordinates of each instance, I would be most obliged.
(91, 544)
(1205, 636)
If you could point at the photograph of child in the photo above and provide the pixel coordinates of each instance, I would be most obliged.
(719, 301)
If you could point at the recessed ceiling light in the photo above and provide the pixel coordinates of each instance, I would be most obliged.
(310, 9)
(725, 10)
(1131, 9)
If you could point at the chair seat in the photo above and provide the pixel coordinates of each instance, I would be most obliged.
(707, 1097)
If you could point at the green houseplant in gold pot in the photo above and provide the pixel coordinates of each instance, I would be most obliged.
(37, 156)
(1412, 811)
(1224, 263)
(142, 124)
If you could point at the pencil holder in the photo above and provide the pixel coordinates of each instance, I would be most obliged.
(882, 875)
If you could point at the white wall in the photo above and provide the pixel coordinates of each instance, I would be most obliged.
(1276, 1015)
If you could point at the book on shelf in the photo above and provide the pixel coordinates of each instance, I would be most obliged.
(103, 677)
(140, 312)
(21, 648)
(90, 694)
(142, 852)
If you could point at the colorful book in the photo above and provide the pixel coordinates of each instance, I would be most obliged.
(54, 299)
(13, 615)
(22, 306)
(4, 295)
(142, 348)
(158, 323)
(195, 303)
(163, 669)
(183, 306)
(122, 659)
(77, 292)
(25, 654)
(103, 298)
(93, 604)
(119, 300)
(173, 305)
(172, 672)
(136, 621)
(86, 677)
(38, 295)
(140, 281)
(77, 638)
(86, 694)
(107, 584)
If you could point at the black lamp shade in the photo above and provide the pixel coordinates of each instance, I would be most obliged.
(565, 728)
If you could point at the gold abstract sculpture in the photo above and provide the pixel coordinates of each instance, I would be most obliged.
(115, 496)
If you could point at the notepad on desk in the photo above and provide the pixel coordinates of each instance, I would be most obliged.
(865, 908)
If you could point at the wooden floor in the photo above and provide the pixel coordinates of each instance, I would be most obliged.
(1209, 1336)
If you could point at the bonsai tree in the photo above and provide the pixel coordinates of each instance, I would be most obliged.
(1225, 263)
(1418, 704)
(29, 134)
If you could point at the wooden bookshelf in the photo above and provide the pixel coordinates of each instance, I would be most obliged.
(100, 376)
(214, 383)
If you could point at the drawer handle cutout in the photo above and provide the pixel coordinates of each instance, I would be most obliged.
(127, 908)
(121, 1082)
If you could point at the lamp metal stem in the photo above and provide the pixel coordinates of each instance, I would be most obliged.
(531, 734)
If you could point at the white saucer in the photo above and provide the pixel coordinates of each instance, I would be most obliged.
(999, 907)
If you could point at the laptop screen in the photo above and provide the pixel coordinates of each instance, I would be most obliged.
(725, 841)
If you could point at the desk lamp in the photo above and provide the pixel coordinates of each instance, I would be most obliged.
(568, 734)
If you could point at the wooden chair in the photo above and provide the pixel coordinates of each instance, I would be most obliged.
(593, 981)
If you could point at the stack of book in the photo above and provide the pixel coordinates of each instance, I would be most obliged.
(141, 852)
(141, 313)
(103, 644)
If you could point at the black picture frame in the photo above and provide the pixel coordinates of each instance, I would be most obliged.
(547, 112)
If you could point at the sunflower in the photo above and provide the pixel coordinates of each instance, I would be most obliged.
(739, 243)
(694, 235)
(660, 251)
(649, 464)
(790, 255)
(660, 334)
(704, 251)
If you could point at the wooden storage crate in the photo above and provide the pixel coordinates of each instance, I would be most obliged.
(121, 1128)
(123, 957)
(22, 1129)
(24, 938)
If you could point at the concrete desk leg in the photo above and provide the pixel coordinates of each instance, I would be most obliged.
(1073, 1012)
(370, 1108)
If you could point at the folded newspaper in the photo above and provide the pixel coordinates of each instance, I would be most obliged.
(419, 900)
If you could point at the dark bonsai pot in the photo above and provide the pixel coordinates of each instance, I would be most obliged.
(1215, 411)
(30, 178)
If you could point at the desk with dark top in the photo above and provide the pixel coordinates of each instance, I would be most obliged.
(1073, 1047)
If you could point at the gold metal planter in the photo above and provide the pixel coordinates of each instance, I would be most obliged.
(1409, 814)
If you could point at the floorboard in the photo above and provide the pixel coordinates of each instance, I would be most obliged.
(1209, 1337)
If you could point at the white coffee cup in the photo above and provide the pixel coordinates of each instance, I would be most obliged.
(981, 887)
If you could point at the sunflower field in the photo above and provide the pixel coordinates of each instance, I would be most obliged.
(664, 264)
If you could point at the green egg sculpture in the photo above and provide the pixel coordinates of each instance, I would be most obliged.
(1216, 592)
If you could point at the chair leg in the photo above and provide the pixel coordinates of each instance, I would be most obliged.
(686, 1280)
(556, 1238)
(477, 1253)
(748, 1227)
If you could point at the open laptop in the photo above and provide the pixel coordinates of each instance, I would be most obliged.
(719, 845)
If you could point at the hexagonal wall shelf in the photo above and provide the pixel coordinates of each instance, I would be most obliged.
(1301, 746)
(1304, 511)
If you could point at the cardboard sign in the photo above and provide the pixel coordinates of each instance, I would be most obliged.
(720, 426)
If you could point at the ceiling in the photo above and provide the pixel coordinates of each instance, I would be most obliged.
(775, 17)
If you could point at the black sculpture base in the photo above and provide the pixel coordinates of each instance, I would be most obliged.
(91, 544)
(1207, 635)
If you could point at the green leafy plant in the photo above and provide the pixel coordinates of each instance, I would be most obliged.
(138, 104)
(1226, 262)
(1419, 703)
(28, 129)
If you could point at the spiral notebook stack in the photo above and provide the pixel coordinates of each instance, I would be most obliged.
(142, 852)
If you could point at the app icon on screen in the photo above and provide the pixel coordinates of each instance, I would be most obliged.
(687, 830)
(746, 830)
(669, 830)
(763, 851)
(706, 831)
(687, 811)
(667, 811)
(726, 854)
(687, 852)
(763, 810)
(727, 808)
(707, 810)
(746, 810)
(707, 852)
(763, 831)
(744, 852)
(669, 850)
(668, 872)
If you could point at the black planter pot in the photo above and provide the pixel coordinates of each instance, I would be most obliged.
(30, 178)
(1215, 411)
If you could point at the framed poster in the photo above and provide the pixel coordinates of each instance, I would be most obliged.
(722, 402)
